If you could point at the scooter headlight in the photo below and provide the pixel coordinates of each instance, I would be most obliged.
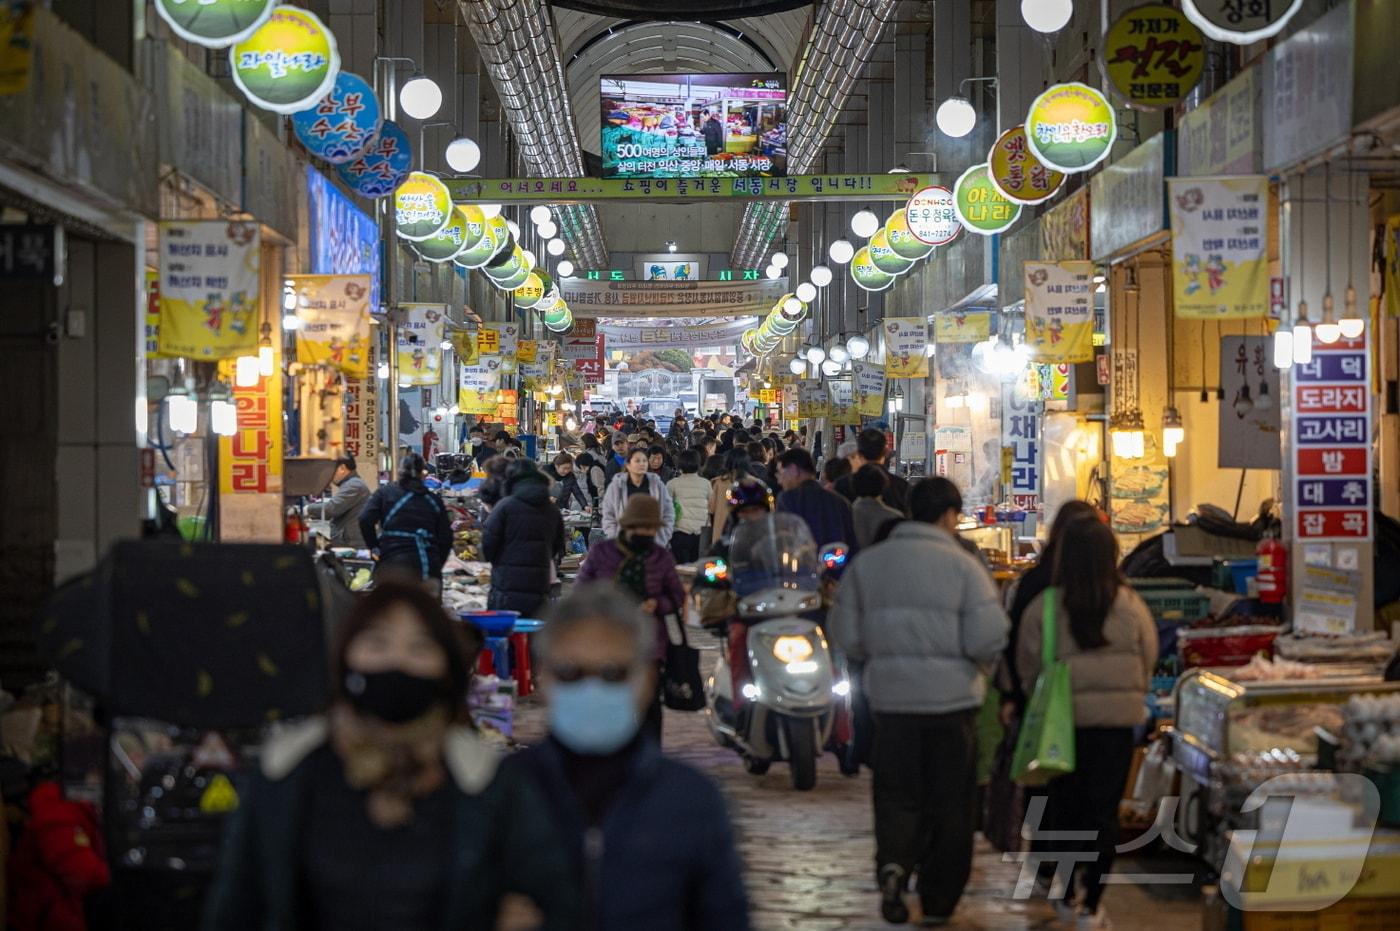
(790, 649)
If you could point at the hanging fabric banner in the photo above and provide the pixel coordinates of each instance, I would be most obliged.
(209, 288)
(868, 388)
(1060, 311)
(420, 343)
(962, 326)
(841, 402)
(906, 345)
(362, 419)
(813, 402)
(1220, 260)
(464, 343)
(476, 390)
(250, 461)
(1021, 444)
(334, 314)
(1392, 266)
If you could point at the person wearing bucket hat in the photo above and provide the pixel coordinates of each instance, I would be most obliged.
(638, 561)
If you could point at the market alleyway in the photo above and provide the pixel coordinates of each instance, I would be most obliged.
(810, 855)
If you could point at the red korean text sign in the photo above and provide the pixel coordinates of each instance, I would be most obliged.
(1331, 444)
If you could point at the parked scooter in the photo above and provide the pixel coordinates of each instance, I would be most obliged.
(789, 689)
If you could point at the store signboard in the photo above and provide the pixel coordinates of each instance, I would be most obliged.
(250, 461)
(980, 206)
(381, 169)
(703, 335)
(1153, 56)
(668, 266)
(17, 46)
(1017, 173)
(288, 63)
(906, 347)
(209, 288)
(1021, 416)
(343, 238)
(214, 23)
(362, 418)
(1221, 136)
(334, 315)
(831, 188)
(1064, 228)
(1126, 199)
(28, 251)
(866, 274)
(1307, 94)
(342, 125)
(1249, 418)
(581, 342)
(932, 217)
(1241, 22)
(1071, 127)
(420, 343)
(1220, 260)
(672, 299)
(422, 206)
(201, 125)
(1060, 311)
(1330, 442)
(476, 389)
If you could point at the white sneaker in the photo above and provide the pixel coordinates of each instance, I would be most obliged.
(1086, 920)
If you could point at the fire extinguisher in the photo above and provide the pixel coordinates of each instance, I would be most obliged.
(1273, 569)
(294, 530)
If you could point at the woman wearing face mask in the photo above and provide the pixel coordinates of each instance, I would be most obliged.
(638, 562)
(650, 838)
(636, 481)
(385, 812)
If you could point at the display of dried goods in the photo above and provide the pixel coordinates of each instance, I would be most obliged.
(1262, 669)
(1283, 727)
(1356, 648)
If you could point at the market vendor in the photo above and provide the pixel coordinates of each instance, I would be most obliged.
(407, 525)
(343, 508)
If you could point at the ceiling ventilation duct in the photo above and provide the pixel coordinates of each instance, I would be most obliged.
(521, 53)
(844, 34)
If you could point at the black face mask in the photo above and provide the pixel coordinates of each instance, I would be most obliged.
(393, 695)
(640, 543)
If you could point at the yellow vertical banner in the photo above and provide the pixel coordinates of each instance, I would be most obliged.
(1220, 256)
(464, 345)
(334, 315)
(868, 388)
(1060, 311)
(906, 342)
(1392, 266)
(527, 351)
(476, 390)
(420, 343)
(16, 45)
(250, 461)
(209, 288)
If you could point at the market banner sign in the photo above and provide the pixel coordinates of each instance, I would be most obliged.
(1222, 135)
(1017, 174)
(422, 206)
(1153, 56)
(868, 388)
(334, 314)
(464, 346)
(380, 170)
(813, 401)
(527, 351)
(981, 208)
(581, 342)
(829, 188)
(342, 125)
(250, 461)
(674, 337)
(1071, 127)
(1126, 199)
(288, 63)
(476, 390)
(954, 327)
(841, 402)
(1064, 228)
(867, 274)
(1241, 23)
(1023, 451)
(420, 344)
(529, 294)
(1330, 443)
(668, 267)
(884, 257)
(450, 241)
(214, 23)
(906, 345)
(505, 336)
(671, 299)
(482, 247)
(1060, 311)
(932, 215)
(1220, 261)
(902, 239)
(16, 47)
(1392, 266)
(209, 288)
(1249, 430)
(362, 419)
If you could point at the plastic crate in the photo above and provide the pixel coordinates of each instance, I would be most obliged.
(1172, 599)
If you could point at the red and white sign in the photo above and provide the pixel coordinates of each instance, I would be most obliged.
(932, 216)
(1331, 444)
(581, 342)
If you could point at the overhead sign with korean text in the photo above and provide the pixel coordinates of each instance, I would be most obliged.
(1071, 127)
(833, 188)
(342, 125)
(380, 170)
(209, 288)
(288, 63)
(334, 328)
(1330, 444)
(671, 299)
(932, 216)
(1060, 311)
(420, 343)
(981, 208)
(1153, 56)
(675, 337)
(422, 206)
(1017, 173)
(1220, 260)
(906, 347)
(1242, 22)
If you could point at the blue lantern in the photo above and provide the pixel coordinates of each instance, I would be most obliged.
(383, 168)
(342, 125)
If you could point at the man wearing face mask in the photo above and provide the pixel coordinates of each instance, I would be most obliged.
(479, 449)
(650, 837)
(637, 562)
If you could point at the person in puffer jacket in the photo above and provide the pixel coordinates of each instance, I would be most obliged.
(522, 539)
(635, 479)
(56, 864)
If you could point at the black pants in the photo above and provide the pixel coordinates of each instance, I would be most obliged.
(651, 724)
(925, 792)
(1087, 800)
(685, 546)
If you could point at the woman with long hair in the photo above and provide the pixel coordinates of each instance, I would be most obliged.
(406, 526)
(737, 466)
(637, 479)
(385, 811)
(1106, 634)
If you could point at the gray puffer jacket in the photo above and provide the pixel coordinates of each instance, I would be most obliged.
(923, 616)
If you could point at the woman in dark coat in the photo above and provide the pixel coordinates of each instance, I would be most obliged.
(522, 540)
(408, 525)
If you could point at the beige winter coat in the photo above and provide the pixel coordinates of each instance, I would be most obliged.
(1109, 683)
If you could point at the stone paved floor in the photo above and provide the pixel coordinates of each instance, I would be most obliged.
(810, 854)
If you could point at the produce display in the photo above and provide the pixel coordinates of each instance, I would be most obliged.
(1370, 732)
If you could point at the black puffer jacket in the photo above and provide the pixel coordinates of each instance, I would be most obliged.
(521, 540)
(419, 530)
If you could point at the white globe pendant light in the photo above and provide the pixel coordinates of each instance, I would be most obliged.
(420, 98)
(956, 116)
(565, 269)
(821, 276)
(792, 306)
(858, 346)
(865, 224)
(540, 214)
(841, 251)
(555, 247)
(1047, 15)
(797, 366)
(831, 368)
(780, 260)
(773, 272)
(816, 355)
(837, 352)
(463, 155)
(806, 292)
(490, 211)
(548, 229)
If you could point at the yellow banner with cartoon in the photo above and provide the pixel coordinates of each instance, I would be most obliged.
(1220, 256)
(209, 288)
(464, 345)
(476, 390)
(962, 326)
(906, 345)
(1392, 266)
(1060, 311)
(420, 344)
(334, 314)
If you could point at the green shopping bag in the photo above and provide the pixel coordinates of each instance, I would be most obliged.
(1045, 745)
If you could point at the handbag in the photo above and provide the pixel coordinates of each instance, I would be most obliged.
(682, 689)
(1003, 805)
(1045, 746)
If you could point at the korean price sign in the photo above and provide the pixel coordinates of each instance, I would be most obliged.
(1153, 56)
(1331, 443)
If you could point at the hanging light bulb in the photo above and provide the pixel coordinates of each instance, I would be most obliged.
(821, 276)
(837, 352)
(956, 116)
(865, 224)
(1283, 347)
(1328, 331)
(420, 98)
(289, 298)
(565, 269)
(548, 229)
(1047, 15)
(780, 260)
(245, 371)
(463, 155)
(841, 251)
(490, 211)
(858, 346)
(445, 345)
(181, 411)
(1302, 336)
(797, 366)
(555, 247)
(540, 214)
(1265, 400)
(223, 417)
(773, 273)
(831, 368)
(1351, 325)
(806, 292)
(816, 355)
(792, 307)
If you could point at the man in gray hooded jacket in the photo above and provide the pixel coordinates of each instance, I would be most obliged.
(923, 616)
